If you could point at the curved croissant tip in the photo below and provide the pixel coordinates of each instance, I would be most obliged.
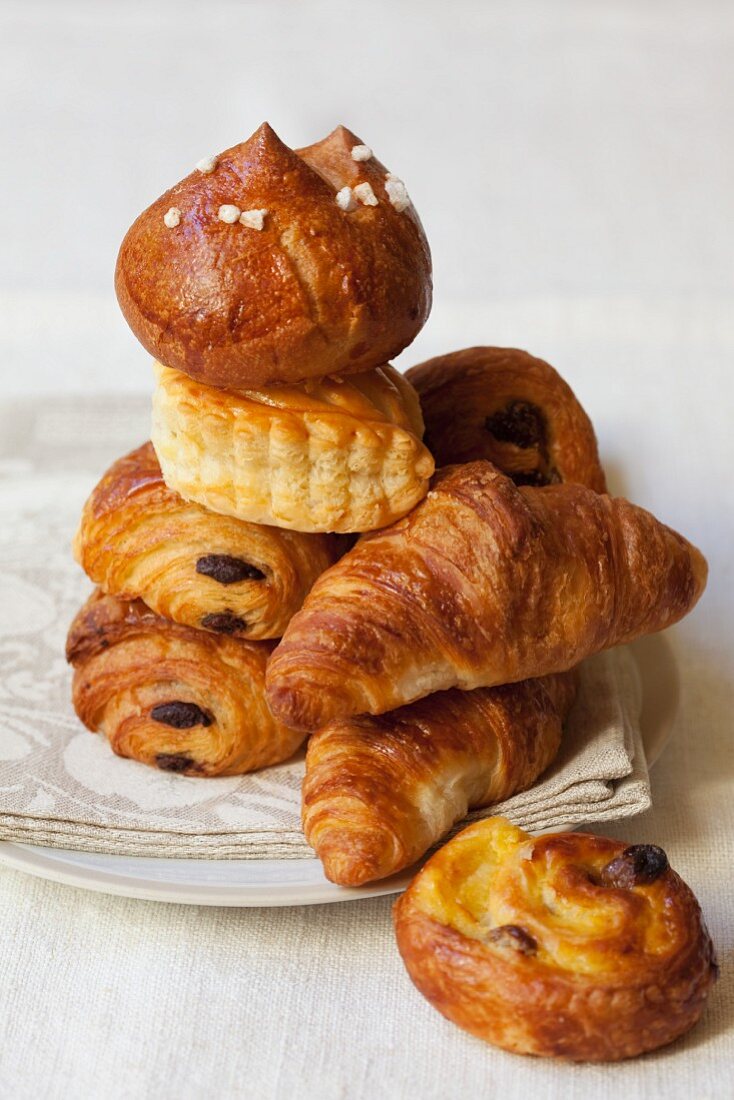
(353, 857)
(284, 704)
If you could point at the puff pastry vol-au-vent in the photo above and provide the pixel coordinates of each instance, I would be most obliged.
(338, 454)
(483, 583)
(167, 695)
(508, 407)
(272, 265)
(138, 538)
(569, 945)
(379, 791)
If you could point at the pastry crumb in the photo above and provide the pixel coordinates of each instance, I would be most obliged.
(361, 152)
(206, 165)
(345, 199)
(364, 193)
(253, 219)
(172, 217)
(397, 192)
(228, 213)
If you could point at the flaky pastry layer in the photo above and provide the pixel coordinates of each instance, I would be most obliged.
(139, 539)
(379, 791)
(510, 408)
(179, 699)
(339, 455)
(568, 945)
(483, 583)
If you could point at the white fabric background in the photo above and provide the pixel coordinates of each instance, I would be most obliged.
(573, 165)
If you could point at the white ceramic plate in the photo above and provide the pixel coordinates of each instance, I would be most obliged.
(294, 881)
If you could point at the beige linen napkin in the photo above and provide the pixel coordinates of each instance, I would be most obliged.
(62, 786)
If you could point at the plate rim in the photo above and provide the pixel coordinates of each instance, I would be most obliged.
(660, 699)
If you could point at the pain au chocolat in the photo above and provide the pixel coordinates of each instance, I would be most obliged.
(139, 539)
(568, 946)
(176, 698)
(271, 265)
(483, 583)
(508, 407)
(380, 791)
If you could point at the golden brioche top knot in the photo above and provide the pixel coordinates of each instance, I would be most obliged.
(268, 265)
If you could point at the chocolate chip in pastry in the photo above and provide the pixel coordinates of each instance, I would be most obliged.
(532, 944)
(268, 265)
(340, 454)
(380, 791)
(138, 538)
(179, 699)
(483, 583)
(510, 408)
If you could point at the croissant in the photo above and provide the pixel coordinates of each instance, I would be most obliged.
(334, 455)
(510, 408)
(164, 694)
(569, 945)
(379, 791)
(137, 538)
(483, 583)
(269, 265)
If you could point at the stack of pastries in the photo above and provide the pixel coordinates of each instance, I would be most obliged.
(407, 569)
(271, 286)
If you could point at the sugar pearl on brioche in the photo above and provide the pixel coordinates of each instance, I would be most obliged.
(569, 945)
(295, 284)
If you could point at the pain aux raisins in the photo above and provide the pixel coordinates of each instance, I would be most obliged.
(514, 938)
(225, 569)
(180, 715)
(638, 865)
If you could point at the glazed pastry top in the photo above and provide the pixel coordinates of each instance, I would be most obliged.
(277, 265)
(574, 902)
(379, 396)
